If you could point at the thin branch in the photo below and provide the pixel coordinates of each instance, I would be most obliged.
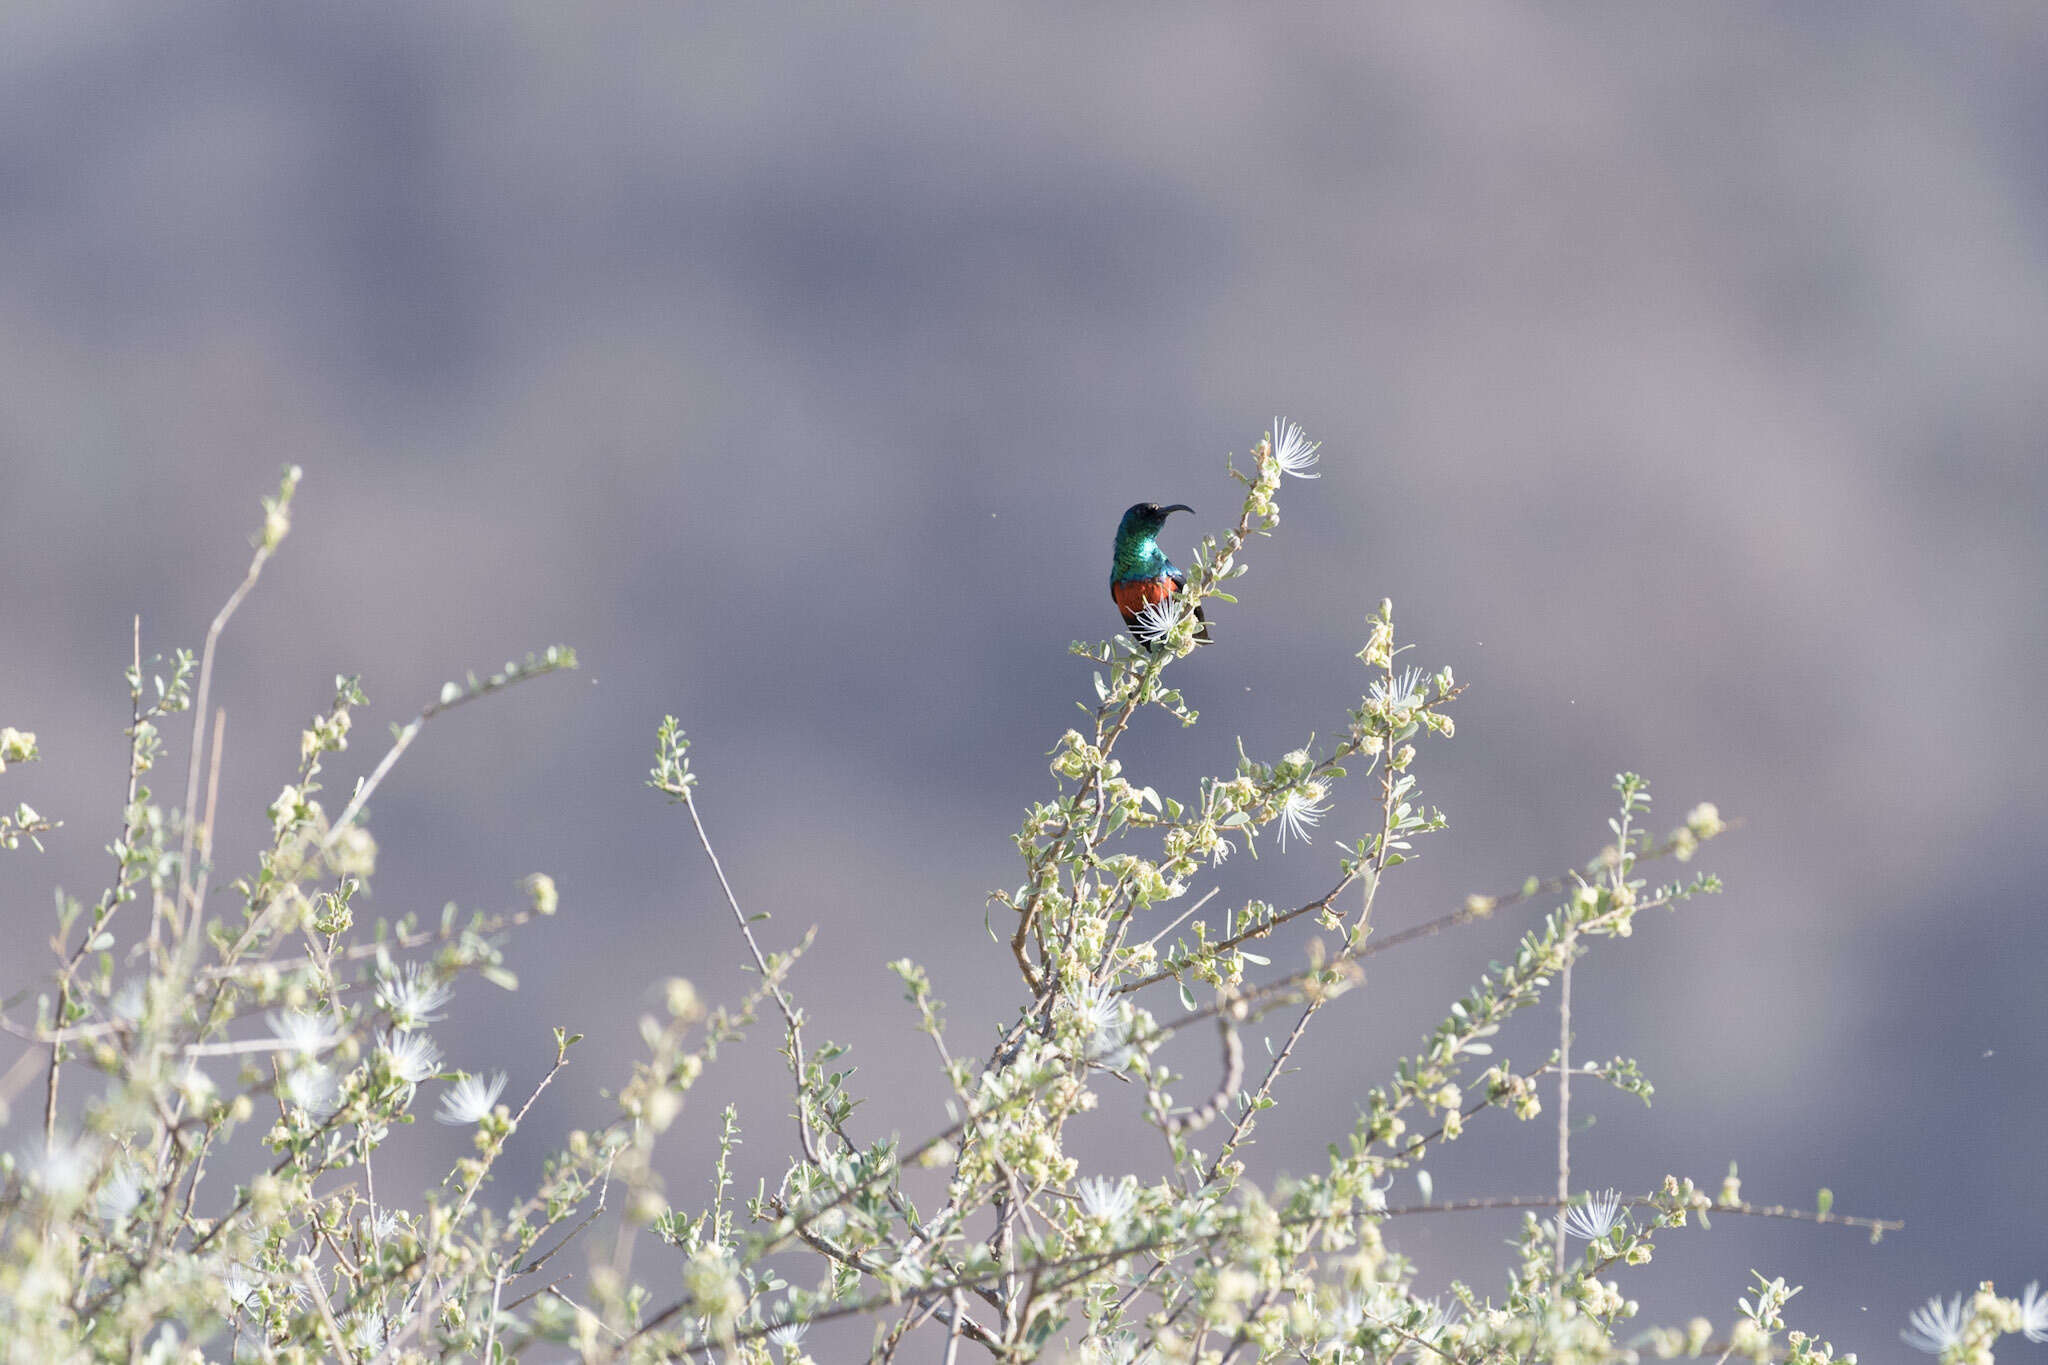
(553, 660)
(111, 901)
(531, 1294)
(914, 1317)
(1564, 1092)
(17, 1075)
(179, 912)
(491, 1336)
(1484, 907)
(561, 1060)
(1233, 1077)
(1260, 930)
(789, 1014)
(1182, 917)
(953, 1329)
(312, 1281)
(1539, 1201)
(603, 1188)
(1249, 1116)
(265, 544)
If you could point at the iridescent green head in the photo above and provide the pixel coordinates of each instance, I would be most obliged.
(1138, 555)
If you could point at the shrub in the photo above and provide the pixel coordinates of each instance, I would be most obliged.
(130, 1228)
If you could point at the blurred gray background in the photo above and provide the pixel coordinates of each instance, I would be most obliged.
(1683, 377)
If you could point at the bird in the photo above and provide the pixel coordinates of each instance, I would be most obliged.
(1140, 574)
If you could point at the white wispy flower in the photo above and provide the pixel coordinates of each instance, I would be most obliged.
(128, 1001)
(1094, 1007)
(1293, 451)
(1121, 1349)
(241, 1287)
(1341, 1324)
(1403, 692)
(412, 996)
(381, 1228)
(1107, 1201)
(1097, 1010)
(62, 1167)
(121, 1192)
(195, 1087)
(1157, 621)
(2034, 1313)
(470, 1099)
(1301, 809)
(368, 1333)
(245, 1287)
(313, 1089)
(413, 1056)
(305, 1033)
(1935, 1326)
(1430, 1328)
(1220, 853)
(787, 1337)
(1596, 1217)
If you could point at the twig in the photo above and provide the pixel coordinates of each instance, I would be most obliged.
(914, 1317)
(530, 1294)
(1260, 930)
(491, 1336)
(789, 1015)
(312, 1274)
(1564, 1092)
(111, 901)
(561, 1060)
(1249, 1116)
(1233, 1077)
(1538, 1201)
(1181, 918)
(220, 730)
(18, 1074)
(603, 1188)
(265, 544)
(953, 1329)
(555, 659)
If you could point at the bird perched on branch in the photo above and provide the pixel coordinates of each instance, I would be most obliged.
(1141, 576)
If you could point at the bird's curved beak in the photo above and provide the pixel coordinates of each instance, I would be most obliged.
(1177, 507)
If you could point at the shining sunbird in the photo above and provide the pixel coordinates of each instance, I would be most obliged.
(1141, 576)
